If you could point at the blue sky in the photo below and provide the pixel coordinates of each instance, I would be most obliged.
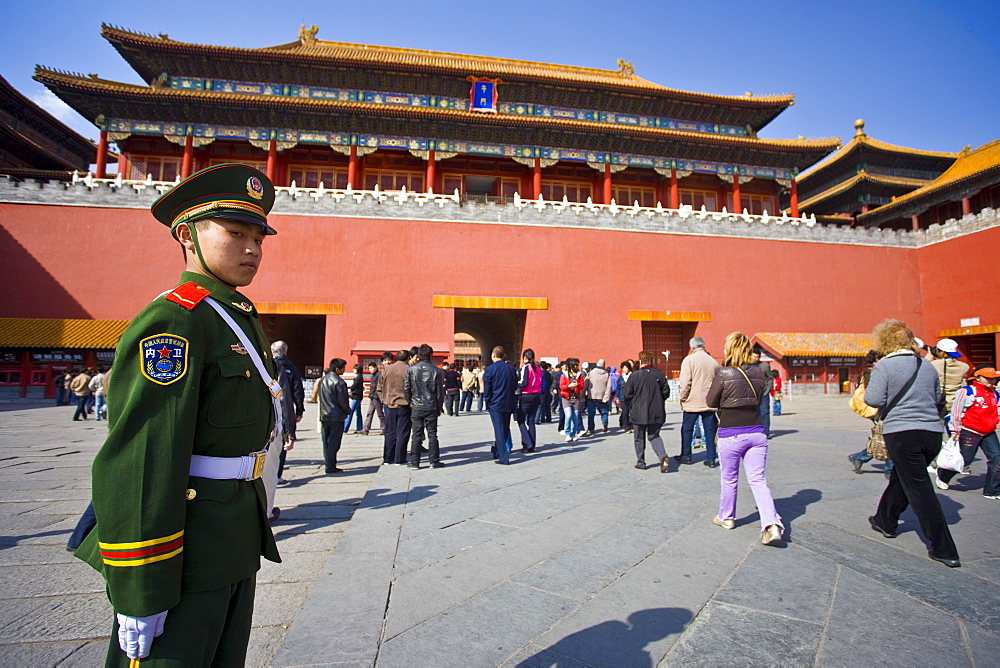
(922, 73)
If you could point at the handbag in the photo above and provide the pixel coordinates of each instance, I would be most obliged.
(876, 441)
(950, 456)
(858, 405)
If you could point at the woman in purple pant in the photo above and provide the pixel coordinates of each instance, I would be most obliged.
(736, 392)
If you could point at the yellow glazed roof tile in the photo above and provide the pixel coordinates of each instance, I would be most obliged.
(60, 333)
(310, 47)
(806, 344)
(968, 164)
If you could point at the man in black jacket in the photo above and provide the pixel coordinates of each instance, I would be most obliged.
(423, 387)
(295, 397)
(645, 392)
(333, 410)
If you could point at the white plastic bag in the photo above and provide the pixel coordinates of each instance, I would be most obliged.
(950, 456)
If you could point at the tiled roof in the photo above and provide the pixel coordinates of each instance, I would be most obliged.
(93, 84)
(860, 141)
(59, 333)
(968, 165)
(844, 186)
(368, 54)
(806, 344)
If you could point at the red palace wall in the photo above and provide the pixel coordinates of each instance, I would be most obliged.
(80, 262)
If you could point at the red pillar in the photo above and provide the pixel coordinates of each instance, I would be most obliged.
(737, 205)
(675, 196)
(123, 165)
(352, 168)
(188, 160)
(101, 170)
(429, 185)
(26, 373)
(607, 183)
(536, 179)
(966, 206)
(272, 160)
(915, 221)
(795, 199)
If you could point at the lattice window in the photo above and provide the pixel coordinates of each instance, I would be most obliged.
(394, 180)
(698, 198)
(450, 182)
(161, 169)
(574, 191)
(629, 195)
(311, 177)
(753, 203)
(508, 187)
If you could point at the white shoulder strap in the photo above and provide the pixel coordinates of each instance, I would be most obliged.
(270, 476)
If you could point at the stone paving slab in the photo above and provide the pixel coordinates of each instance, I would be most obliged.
(567, 557)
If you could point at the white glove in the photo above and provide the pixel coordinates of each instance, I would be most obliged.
(135, 634)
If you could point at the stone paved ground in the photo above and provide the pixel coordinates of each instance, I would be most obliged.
(568, 557)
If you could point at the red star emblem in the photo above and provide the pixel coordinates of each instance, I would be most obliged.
(164, 351)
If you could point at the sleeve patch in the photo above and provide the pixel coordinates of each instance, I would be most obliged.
(164, 358)
(187, 294)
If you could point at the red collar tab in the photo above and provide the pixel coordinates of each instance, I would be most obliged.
(188, 294)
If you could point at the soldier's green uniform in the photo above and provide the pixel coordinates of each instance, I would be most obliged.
(183, 385)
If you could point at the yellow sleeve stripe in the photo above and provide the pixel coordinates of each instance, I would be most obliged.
(141, 562)
(142, 543)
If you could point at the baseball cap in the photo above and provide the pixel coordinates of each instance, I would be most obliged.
(986, 372)
(949, 346)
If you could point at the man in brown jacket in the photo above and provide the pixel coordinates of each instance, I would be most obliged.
(397, 411)
(80, 386)
(697, 372)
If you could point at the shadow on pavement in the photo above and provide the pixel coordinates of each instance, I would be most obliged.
(13, 541)
(775, 433)
(792, 507)
(614, 642)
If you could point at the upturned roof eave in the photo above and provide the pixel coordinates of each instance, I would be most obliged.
(856, 181)
(55, 79)
(484, 65)
(954, 178)
(859, 144)
(84, 148)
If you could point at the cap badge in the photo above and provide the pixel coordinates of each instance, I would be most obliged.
(254, 188)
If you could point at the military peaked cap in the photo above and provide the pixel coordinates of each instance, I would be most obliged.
(237, 192)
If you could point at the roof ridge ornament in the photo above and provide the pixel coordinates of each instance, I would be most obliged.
(859, 128)
(308, 36)
(625, 68)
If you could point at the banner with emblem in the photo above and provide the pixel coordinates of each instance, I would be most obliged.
(483, 94)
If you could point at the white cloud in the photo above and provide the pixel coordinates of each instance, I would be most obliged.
(48, 101)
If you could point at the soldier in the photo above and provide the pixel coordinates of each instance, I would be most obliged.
(181, 508)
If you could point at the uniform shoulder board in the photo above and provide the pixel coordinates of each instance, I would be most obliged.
(187, 294)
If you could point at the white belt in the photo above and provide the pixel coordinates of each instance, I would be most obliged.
(248, 467)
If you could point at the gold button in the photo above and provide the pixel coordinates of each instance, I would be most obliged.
(248, 373)
(190, 494)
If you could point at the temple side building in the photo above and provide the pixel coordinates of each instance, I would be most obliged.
(969, 185)
(864, 175)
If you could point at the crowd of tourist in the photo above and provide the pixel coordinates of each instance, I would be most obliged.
(725, 409)
(86, 389)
